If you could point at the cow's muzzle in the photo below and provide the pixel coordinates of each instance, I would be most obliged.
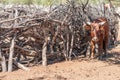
(95, 39)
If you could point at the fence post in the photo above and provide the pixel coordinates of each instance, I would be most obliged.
(3, 62)
(44, 51)
(10, 62)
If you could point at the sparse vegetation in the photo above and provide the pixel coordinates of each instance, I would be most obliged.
(49, 2)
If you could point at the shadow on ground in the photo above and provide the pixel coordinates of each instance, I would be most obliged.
(112, 58)
(55, 77)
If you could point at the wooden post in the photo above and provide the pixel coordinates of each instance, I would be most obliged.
(68, 46)
(118, 36)
(3, 62)
(71, 47)
(44, 56)
(10, 62)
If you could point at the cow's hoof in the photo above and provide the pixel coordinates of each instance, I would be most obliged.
(92, 57)
(104, 56)
(100, 58)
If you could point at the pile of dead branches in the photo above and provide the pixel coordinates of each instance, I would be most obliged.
(33, 35)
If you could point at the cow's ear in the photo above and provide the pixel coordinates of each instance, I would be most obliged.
(102, 23)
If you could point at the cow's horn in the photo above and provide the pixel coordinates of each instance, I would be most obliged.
(101, 23)
(88, 23)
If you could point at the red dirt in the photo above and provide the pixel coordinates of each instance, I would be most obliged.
(108, 69)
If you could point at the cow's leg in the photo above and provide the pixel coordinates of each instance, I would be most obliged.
(105, 45)
(92, 50)
(100, 50)
(104, 48)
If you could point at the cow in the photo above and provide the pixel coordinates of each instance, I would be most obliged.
(99, 34)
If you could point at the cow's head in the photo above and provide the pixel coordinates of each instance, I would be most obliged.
(96, 30)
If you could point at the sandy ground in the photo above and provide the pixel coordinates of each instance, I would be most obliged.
(81, 69)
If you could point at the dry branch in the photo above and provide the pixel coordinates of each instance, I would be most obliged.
(19, 65)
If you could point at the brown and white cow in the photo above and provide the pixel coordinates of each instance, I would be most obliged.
(99, 32)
